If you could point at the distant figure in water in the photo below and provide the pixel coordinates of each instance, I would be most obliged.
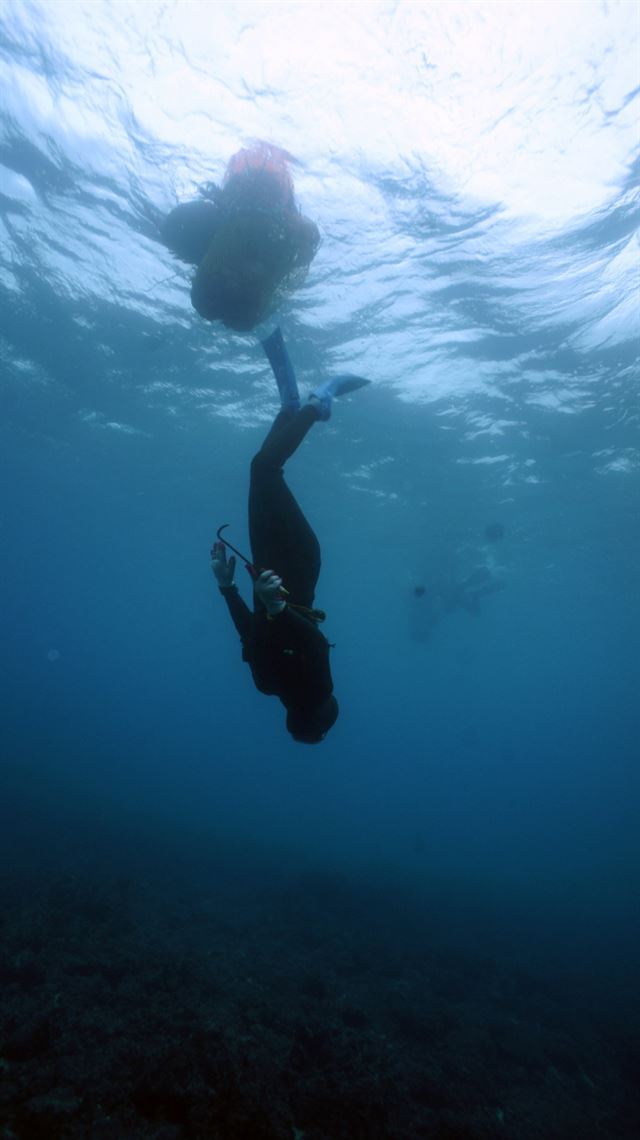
(281, 639)
(430, 603)
(247, 238)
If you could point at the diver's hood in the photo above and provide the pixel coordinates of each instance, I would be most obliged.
(310, 726)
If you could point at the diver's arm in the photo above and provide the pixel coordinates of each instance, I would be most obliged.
(241, 615)
(223, 572)
(286, 622)
(268, 587)
(290, 628)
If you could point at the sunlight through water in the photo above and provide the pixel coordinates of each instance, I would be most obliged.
(471, 166)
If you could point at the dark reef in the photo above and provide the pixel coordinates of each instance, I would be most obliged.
(198, 1003)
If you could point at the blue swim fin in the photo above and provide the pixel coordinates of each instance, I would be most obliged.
(280, 362)
(335, 386)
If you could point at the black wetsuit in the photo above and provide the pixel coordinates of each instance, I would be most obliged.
(287, 653)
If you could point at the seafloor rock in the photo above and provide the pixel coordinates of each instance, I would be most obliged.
(315, 1009)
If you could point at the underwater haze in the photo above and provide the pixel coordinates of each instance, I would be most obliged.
(427, 925)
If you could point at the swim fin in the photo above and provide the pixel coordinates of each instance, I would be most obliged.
(280, 362)
(335, 386)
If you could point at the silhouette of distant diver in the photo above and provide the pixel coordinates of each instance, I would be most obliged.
(430, 602)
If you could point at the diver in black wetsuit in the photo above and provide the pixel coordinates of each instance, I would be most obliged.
(281, 641)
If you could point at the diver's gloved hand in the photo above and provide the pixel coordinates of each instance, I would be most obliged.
(268, 587)
(222, 570)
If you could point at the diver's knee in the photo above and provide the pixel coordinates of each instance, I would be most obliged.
(265, 469)
(260, 464)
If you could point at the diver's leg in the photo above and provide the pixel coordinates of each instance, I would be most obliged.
(287, 433)
(281, 538)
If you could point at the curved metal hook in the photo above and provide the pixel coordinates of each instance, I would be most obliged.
(225, 542)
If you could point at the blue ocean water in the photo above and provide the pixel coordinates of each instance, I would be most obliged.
(473, 169)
